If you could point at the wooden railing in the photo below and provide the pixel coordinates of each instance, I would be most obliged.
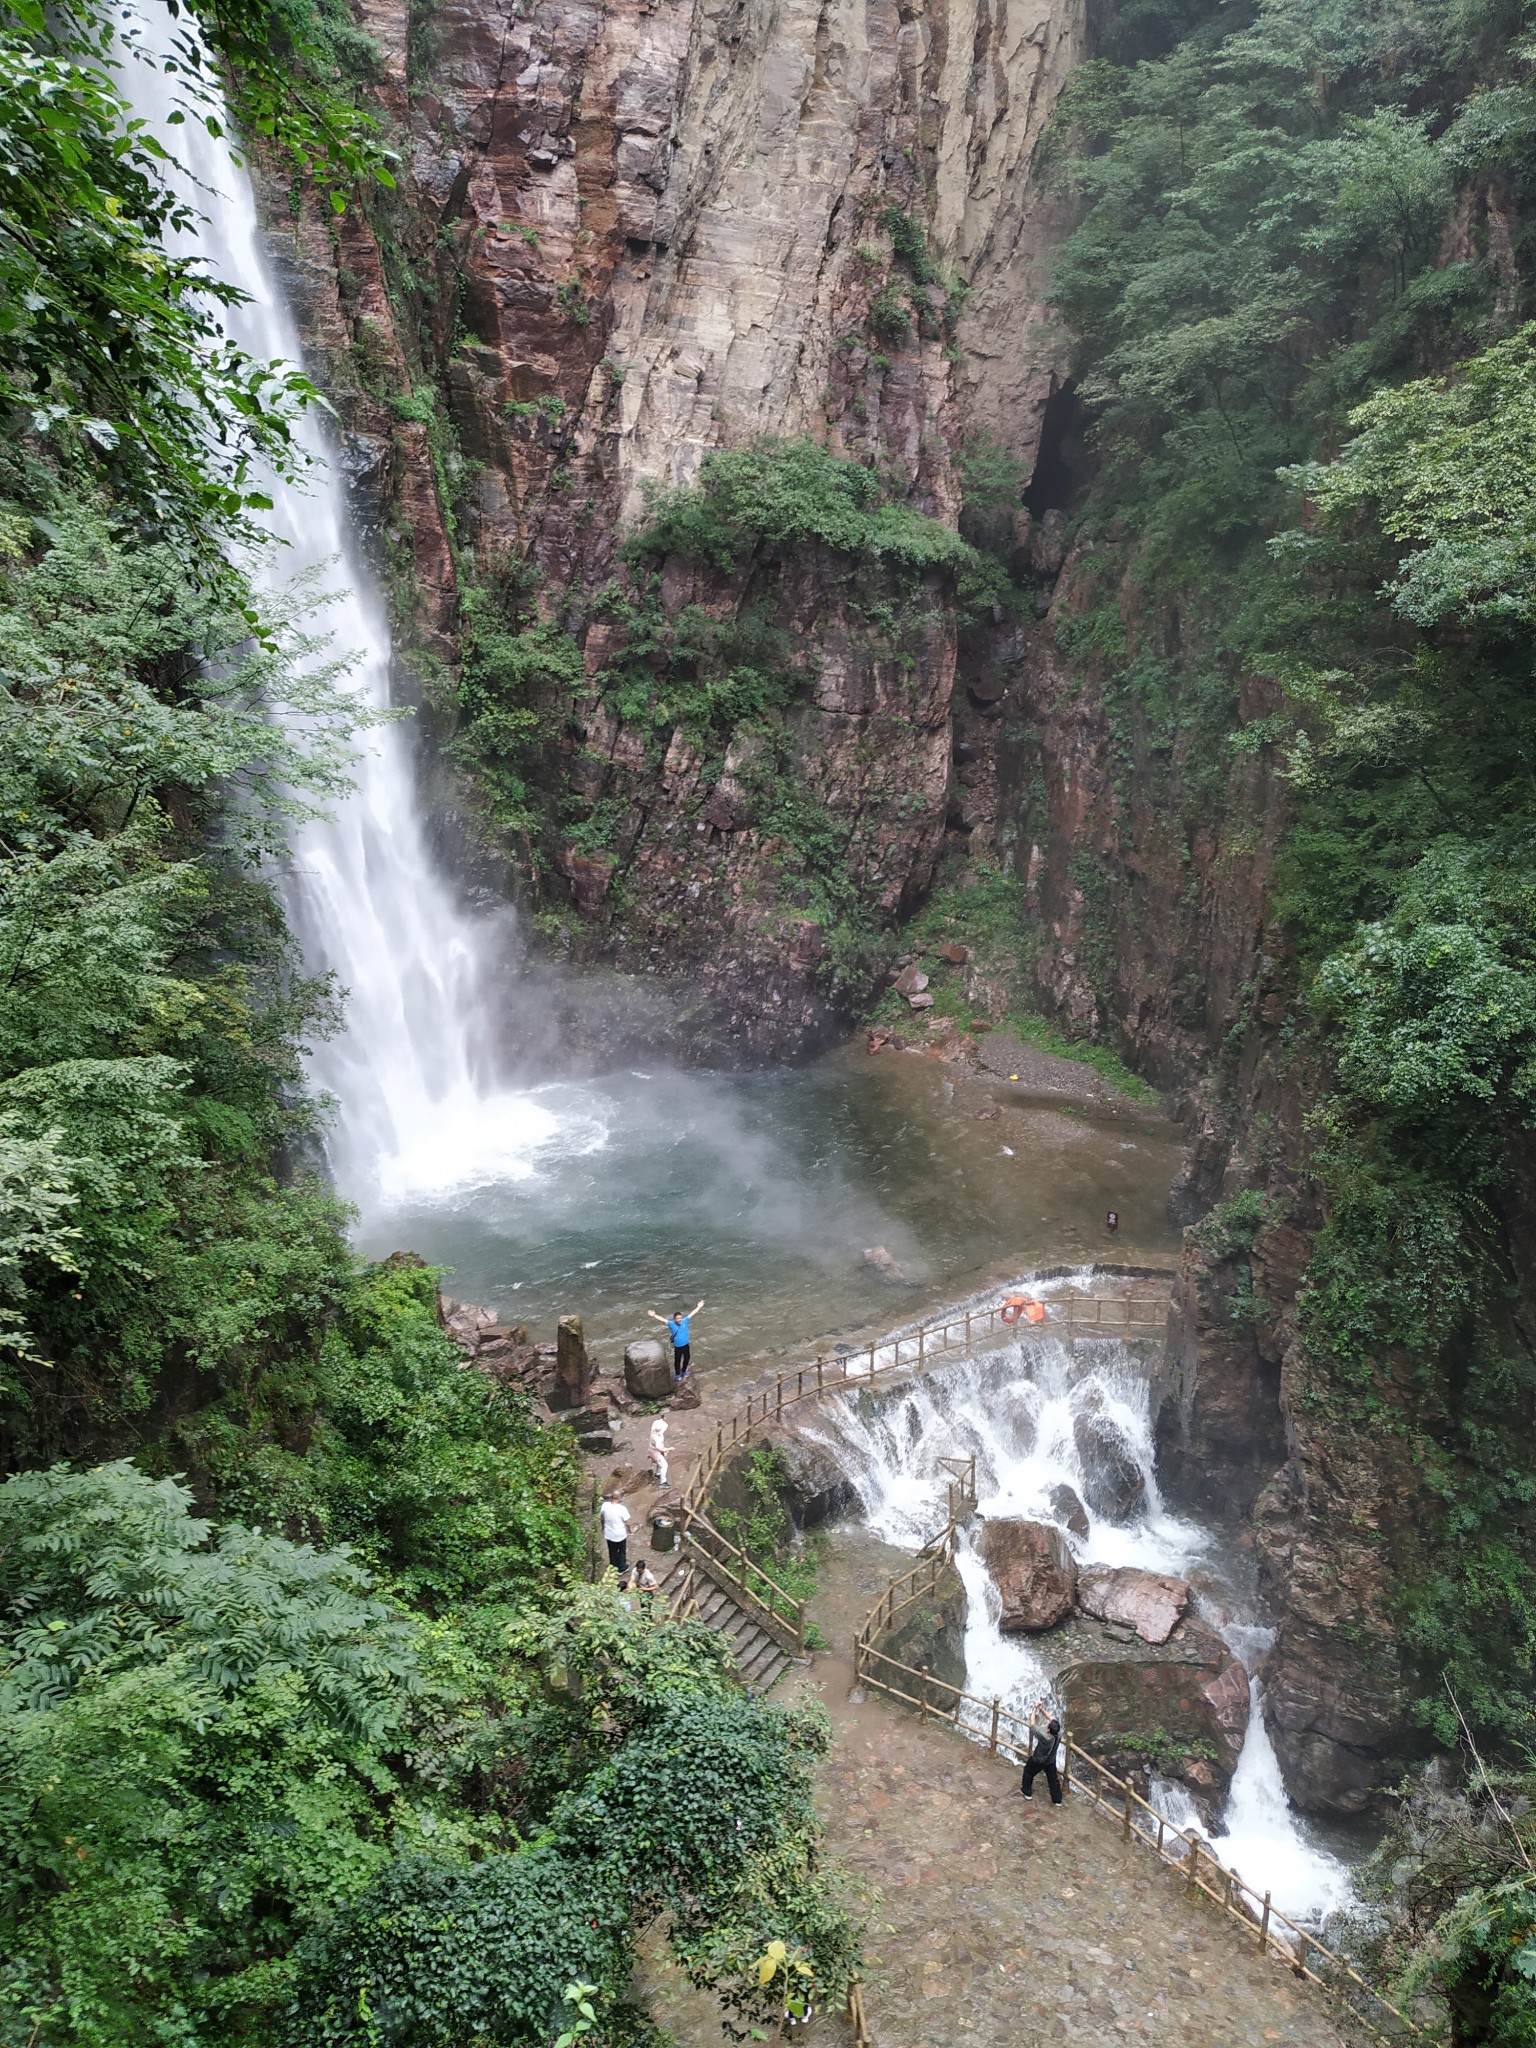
(1069, 1316)
(780, 1614)
(1007, 1734)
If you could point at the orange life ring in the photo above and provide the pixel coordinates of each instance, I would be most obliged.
(1023, 1305)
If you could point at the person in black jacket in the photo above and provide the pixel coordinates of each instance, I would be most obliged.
(1042, 1757)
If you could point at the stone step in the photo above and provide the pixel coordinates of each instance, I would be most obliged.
(755, 1657)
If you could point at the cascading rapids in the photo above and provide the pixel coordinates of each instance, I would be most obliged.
(1015, 1406)
(414, 1070)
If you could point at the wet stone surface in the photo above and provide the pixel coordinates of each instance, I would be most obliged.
(993, 1921)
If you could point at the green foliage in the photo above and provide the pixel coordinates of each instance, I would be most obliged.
(1446, 464)
(1263, 275)
(196, 1733)
(1449, 1906)
(111, 348)
(787, 494)
(147, 1014)
(518, 677)
(765, 1533)
(701, 1810)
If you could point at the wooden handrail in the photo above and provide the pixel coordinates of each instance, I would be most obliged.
(1293, 1945)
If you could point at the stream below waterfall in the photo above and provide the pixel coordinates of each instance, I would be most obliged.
(1016, 1405)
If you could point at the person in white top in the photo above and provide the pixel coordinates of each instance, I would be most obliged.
(616, 1520)
(659, 1448)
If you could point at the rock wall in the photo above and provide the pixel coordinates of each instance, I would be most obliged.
(625, 236)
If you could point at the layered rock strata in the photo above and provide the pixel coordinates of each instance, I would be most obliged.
(623, 237)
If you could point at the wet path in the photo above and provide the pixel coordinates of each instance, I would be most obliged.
(1000, 1923)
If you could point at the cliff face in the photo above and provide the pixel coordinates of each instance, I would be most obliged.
(625, 236)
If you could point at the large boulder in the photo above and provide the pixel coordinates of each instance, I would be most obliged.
(647, 1370)
(1152, 1603)
(1034, 1572)
(1179, 1711)
(810, 1483)
(1113, 1481)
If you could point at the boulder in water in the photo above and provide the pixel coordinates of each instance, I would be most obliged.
(1069, 1510)
(1034, 1572)
(1113, 1481)
(881, 1262)
(647, 1370)
(1175, 1711)
(1152, 1603)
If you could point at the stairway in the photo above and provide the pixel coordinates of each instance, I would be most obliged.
(759, 1662)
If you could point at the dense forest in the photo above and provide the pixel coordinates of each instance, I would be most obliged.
(1299, 291)
(309, 1727)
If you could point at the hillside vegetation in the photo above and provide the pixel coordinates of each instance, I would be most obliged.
(309, 1730)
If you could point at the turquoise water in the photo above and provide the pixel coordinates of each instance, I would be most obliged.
(761, 1193)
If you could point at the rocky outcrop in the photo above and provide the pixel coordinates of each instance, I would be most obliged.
(1151, 1603)
(812, 1485)
(1034, 1572)
(573, 1371)
(1180, 1712)
(1069, 1511)
(623, 237)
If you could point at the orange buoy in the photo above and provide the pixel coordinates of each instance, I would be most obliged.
(1022, 1305)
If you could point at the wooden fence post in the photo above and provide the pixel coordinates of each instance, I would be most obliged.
(996, 1710)
(1126, 1824)
(1194, 1864)
(1264, 1926)
(821, 1366)
(922, 1709)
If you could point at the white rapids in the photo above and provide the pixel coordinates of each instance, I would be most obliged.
(1013, 1405)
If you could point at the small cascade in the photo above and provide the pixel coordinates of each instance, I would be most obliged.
(1018, 1407)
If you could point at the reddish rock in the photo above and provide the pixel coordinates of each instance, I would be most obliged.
(953, 955)
(1152, 1603)
(1034, 1572)
(910, 982)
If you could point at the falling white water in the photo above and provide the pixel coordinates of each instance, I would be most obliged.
(1016, 1407)
(413, 1070)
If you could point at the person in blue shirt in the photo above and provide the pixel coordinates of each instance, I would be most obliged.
(682, 1349)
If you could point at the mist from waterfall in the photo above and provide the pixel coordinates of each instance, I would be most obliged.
(414, 1068)
(1015, 1406)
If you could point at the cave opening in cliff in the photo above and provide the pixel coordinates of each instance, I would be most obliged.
(1061, 462)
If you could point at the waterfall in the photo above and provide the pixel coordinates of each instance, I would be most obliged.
(412, 1070)
(1016, 1406)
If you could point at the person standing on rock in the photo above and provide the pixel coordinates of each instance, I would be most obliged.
(659, 1448)
(616, 1519)
(678, 1326)
(1042, 1757)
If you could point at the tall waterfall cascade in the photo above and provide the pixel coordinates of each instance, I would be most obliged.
(1014, 1407)
(413, 1070)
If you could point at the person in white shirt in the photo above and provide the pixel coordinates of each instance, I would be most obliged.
(616, 1520)
(659, 1448)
